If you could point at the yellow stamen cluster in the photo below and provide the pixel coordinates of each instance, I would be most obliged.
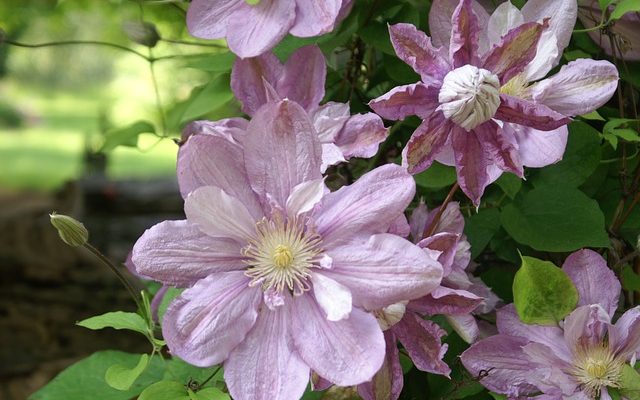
(516, 87)
(281, 255)
(595, 367)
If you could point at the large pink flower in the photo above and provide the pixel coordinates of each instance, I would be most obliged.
(479, 110)
(252, 29)
(278, 270)
(260, 79)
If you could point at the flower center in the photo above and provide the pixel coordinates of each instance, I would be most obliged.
(469, 96)
(281, 255)
(390, 315)
(516, 87)
(595, 367)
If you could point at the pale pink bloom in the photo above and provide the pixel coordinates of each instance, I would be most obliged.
(258, 80)
(480, 110)
(278, 271)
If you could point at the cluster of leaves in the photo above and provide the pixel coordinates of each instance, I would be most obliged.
(589, 199)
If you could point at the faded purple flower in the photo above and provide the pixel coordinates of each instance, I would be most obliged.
(459, 295)
(252, 29)
(480, 110)
(257, 80)
(581, 359)
(278, 270)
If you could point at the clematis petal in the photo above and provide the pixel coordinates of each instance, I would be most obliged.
(562, 16)
(534, 115)
(465, 326)
(307, 62)
(332, 297)
(414, 48)
(501, 148)
(383, 269)
(368, 206)
(465, 35)
(281, 138)
(586, 325)
(314, 18)
(419, 221)
(596, 283)
(505, 17)
(542, 63)
(426, 142)
(578, 88)
(270, 20)
(232, 129)
(329, 120)
(502, 365)
(207, 321)
(346, 352)
(451, 219)
(331, 155)
(208, 19)
(388, 381)
(305, 196)
(158, 255)
(509, 324)
(219, 215)
(553, 376)
(400, 227)
(444, 300)
(247, 80)
(208, 160)
(440, 21)
(471, 164)
(444, 243)
(266, 366)
(400, 102)
(361, 136)
(423, 341)
(624, 336)
(538, 148)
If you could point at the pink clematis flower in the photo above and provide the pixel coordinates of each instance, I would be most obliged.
(257, 80)
(581, 359)
(254, 27)
(278, 270)
(459, 295)
(480, 111)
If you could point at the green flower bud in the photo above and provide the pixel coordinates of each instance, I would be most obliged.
(143, 33)
(71, 231)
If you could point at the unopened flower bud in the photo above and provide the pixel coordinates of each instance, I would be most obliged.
(143, 33)
(71, 231)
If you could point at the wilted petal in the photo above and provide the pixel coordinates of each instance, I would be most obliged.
(400, 102)
(500, 147)
(426, 142)
(596, 283)
(304, 76)
(504, 18)
(281, 150)
(247, 80)
(266, 366)
(578, 88)
(383, 269)
(332, 297)
(219, 215)
(329, 120)
(208, 320)
(465, 326)
(346, 352)
(208, 160)
(368, 206)
(314, 17)
(361, 136)
(538, 148)
(624, 336)
(515, 51)
(257, 28)
(562, 16)
(414, 48)
(501, 364)
(305, 196)
(444, 300)
(388, 381)
(423, 341)
(208, 19)
(534, 115)
(178, 253)
(465, 34)
(471, 164)
(586, 325)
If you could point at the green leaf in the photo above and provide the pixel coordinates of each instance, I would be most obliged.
(480, 228)
(121, 377)
(630, 383)
(580, 160)
(593, 115)
(604, 4)
(116, 320)
(165, 390)
(510, 184)
(217, 62)
(203, 100)
(543, 293)
(126, 136)
(436, 176)
(168, 297)
(629, 279)
(85, 379)
(623, 7)
(555, 218)
(209, 393)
